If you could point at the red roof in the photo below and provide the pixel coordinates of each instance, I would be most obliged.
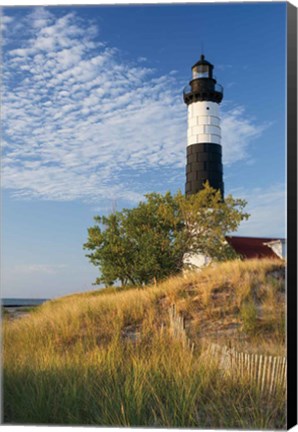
(252, 247)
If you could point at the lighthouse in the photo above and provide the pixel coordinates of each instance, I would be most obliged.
(204, 153)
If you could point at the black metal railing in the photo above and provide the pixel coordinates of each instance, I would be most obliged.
(217, 87)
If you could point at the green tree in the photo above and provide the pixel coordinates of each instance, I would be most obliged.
(136, 246)
(208, 219)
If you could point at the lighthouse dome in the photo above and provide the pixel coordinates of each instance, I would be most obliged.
(202, 69)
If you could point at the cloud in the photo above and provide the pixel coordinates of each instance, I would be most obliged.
(238, 131)
(82, 123)
(5, 22)
(267, 208)
(224, 67)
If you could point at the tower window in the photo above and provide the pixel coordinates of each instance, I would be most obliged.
(201, 71)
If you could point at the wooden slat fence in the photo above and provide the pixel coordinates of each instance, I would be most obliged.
(177, 326)
(267, 373)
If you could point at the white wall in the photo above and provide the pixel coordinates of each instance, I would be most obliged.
(196, 260)
(278, 247)
(203, 123)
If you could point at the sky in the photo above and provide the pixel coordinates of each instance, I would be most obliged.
(93, 118)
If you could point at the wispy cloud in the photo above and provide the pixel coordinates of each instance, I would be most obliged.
(224, 67)
(267, 208)
(5, 22)
(238, 130)
(82, 123)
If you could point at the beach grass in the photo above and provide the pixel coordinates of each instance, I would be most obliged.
(108, 358)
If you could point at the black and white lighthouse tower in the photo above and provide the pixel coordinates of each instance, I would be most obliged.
(204, 156)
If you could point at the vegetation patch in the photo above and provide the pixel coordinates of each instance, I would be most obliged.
(109, 359)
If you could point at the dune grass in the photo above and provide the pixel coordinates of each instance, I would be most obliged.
(108, 358)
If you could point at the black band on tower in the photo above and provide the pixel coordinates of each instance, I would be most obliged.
(204, 163)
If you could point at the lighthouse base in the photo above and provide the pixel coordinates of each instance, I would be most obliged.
(195, 261)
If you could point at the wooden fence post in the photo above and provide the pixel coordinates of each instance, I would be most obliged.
(267, 373)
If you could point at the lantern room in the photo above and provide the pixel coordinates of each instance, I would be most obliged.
(202, 69)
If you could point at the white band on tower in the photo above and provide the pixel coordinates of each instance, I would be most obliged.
(203, 123)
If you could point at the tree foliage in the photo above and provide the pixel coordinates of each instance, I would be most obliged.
(148, 242)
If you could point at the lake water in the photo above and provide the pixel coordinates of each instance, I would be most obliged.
(13, 302)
